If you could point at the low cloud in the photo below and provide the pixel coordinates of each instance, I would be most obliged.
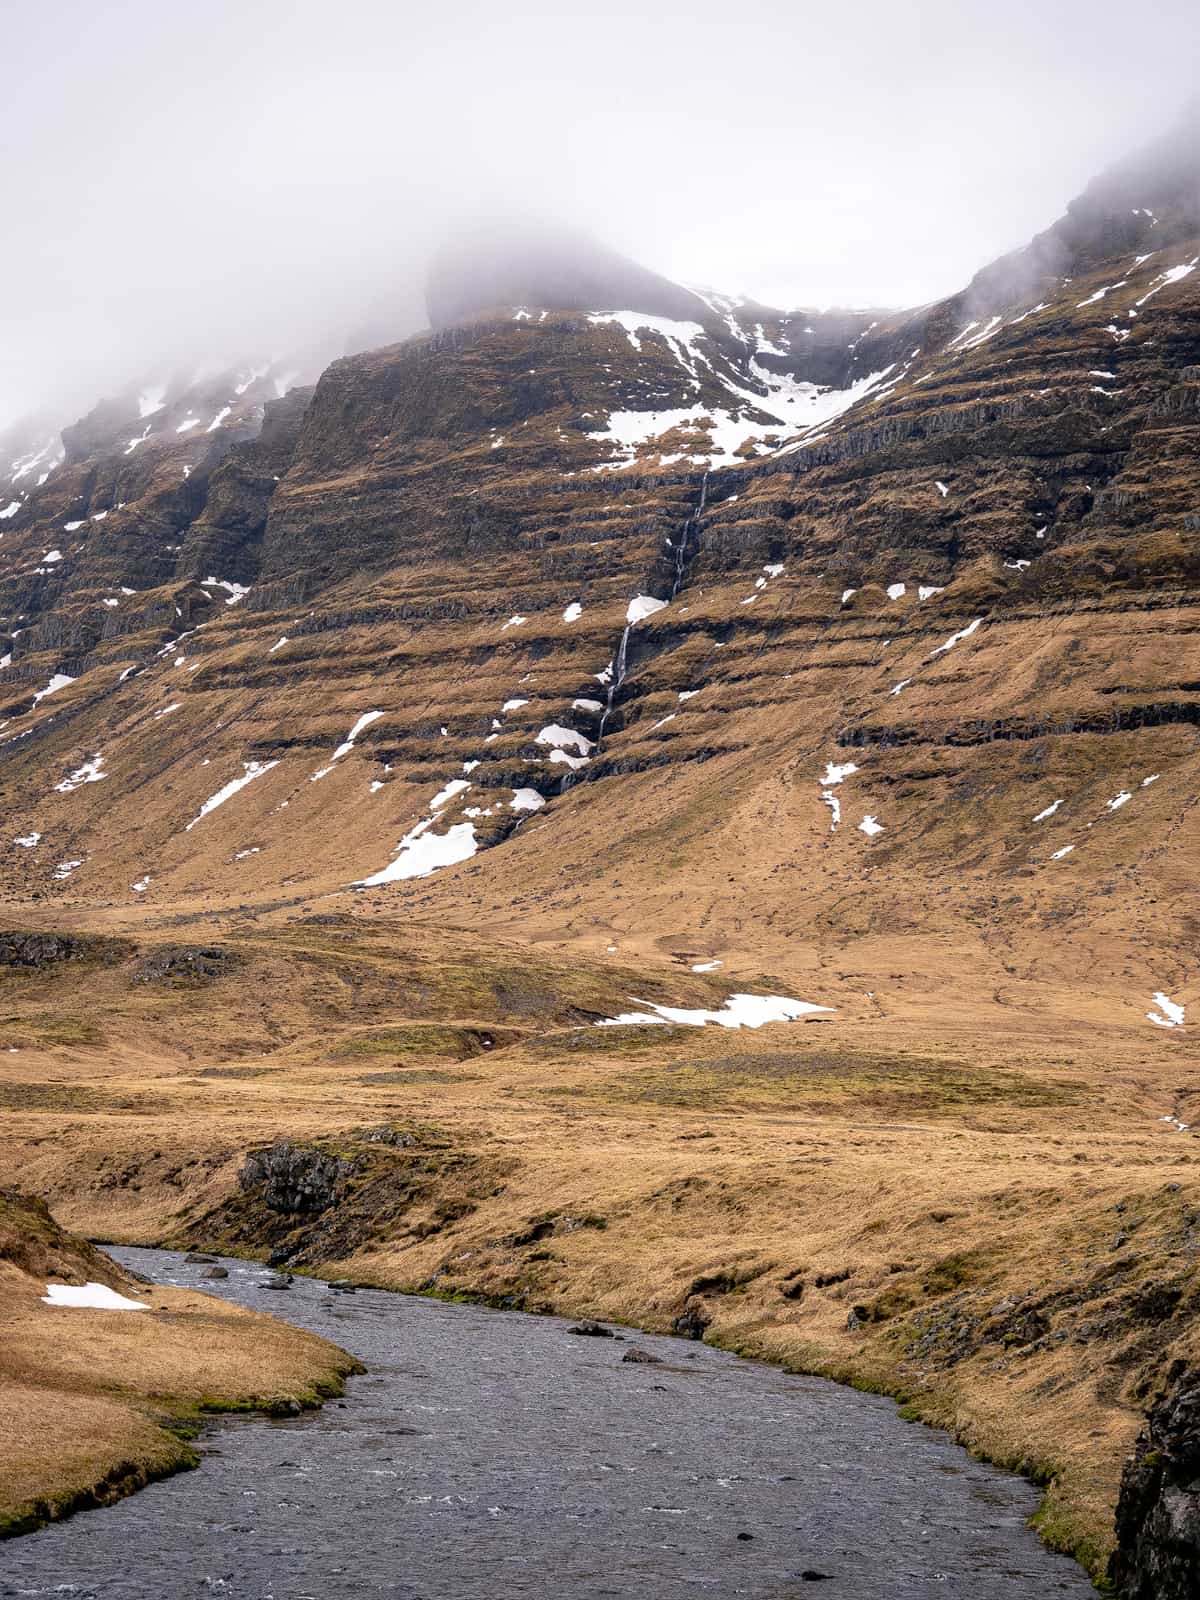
(218, 185)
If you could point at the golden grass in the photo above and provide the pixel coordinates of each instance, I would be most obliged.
(60, 1452)
(95, 1403)
(987, 1183)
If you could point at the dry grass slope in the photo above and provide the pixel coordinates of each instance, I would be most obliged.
(975, 1208)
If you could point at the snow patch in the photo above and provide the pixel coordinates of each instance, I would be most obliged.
(252, 770)
(151, 400)
(421, 853)
(643, 606)
(1172, 1014)
(234, 591)
(564, 739)
(93, 1296)
(58, 681)
(526, 800)
(90, 772)
(739, 1011)
(455, 786)
(955, 638)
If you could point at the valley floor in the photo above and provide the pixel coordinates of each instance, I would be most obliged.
(967, 1202)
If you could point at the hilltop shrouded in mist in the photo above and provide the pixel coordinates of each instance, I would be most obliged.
(552, 268)
(183, 191)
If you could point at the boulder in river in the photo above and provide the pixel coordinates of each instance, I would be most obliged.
(643, 1357)
(691, 1322)
(214, 1272)
(592, 1330)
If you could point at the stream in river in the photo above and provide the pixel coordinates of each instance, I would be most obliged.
(489, 1454)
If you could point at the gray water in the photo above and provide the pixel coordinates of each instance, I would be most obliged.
(488, 1454)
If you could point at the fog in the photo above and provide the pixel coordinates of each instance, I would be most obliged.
(225, 181)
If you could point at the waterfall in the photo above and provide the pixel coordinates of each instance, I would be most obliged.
(618, 665)
(616, 678)
(685, 537)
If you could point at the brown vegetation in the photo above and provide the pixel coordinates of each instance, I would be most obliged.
(94, 1403)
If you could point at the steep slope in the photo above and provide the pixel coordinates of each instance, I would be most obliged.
(441, 581)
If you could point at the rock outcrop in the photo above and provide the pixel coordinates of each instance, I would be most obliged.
(1158, 1516)
(295, 1178)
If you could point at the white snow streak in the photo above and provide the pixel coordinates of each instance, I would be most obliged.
(253, 769)
(1172, 1014)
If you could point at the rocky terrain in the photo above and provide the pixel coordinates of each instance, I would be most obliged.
(608, 647)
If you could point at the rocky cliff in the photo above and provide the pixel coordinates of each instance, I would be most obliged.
(1158, 1516)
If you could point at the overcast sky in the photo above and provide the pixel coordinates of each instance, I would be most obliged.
(219, 180)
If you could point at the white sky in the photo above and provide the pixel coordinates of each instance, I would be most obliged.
(180, 182)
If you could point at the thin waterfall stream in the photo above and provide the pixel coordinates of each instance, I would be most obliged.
(681, 550)
(692, 525)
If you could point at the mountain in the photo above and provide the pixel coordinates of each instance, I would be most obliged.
(613, 646)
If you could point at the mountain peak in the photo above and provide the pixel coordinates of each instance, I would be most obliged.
(545, 267)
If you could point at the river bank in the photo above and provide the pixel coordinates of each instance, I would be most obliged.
(488, 1452)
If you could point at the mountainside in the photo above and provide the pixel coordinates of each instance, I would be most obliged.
(276, 571)
(647, 645)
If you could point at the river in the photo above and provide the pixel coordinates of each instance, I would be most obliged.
(490, 1454)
